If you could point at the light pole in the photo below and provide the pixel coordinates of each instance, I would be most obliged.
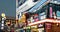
(3, 19)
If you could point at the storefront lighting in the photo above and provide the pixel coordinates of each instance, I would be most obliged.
(46, 20)
(3, 14)
(57, 24)
(55, 1)
(3, 19)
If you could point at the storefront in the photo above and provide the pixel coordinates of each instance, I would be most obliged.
(52, 11)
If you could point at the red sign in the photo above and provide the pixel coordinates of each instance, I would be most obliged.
(48, 25)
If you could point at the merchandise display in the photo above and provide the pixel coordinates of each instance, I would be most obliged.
(34, 28)
(41, 28)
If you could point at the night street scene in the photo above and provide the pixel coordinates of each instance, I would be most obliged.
(29, 15)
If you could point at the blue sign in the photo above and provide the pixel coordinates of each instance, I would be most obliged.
(38, 5)
(58, 13)
(41, 14)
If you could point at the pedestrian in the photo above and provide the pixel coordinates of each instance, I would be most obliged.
(12, 30)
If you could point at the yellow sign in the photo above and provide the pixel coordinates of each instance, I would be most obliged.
(23, 18)
(35, 26)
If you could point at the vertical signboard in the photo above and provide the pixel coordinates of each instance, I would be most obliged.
(50, 12)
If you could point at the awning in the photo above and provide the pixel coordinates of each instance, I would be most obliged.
(46, 20)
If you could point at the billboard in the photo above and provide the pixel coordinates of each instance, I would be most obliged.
(39, 5)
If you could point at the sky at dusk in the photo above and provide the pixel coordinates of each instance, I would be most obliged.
(8, 7)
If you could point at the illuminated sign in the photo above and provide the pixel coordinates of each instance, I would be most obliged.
(34, 26)
(40, 25)
(58, 14)
(42, 16)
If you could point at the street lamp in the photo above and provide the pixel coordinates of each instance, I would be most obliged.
(3, 19)
(3, 14)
